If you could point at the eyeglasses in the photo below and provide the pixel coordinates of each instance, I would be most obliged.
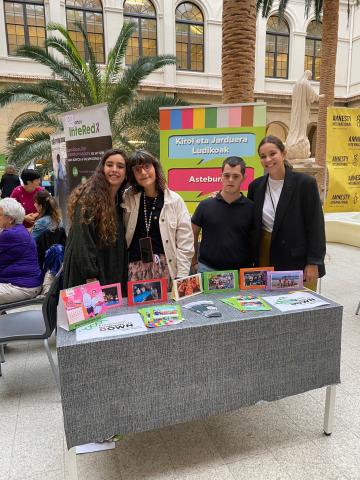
(143, 166)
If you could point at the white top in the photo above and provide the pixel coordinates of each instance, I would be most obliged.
(272, 195)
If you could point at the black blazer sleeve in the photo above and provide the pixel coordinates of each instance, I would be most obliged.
(314, 223)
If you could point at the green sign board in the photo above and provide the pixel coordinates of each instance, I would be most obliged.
(194, 141)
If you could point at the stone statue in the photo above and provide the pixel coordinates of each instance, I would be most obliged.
(297, 143)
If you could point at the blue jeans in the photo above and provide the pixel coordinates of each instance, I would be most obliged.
(205, 268)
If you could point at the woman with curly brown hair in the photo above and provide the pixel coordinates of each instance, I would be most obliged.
(95, 248)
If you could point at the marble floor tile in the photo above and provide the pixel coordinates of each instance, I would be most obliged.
(259, 467)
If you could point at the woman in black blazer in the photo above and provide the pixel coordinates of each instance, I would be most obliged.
(289, 231)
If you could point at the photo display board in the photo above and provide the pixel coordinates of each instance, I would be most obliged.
(194, 141)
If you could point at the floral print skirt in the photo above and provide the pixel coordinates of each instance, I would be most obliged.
(146, 271)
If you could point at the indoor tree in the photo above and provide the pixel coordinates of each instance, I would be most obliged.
(78, 83)
(238, 84)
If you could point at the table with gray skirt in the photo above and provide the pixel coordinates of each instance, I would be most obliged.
(200, 367)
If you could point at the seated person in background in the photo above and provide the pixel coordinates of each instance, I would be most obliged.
(20, 275)
(25, 194)
(9, 181)
(49, 214)
(226, 222)
(49, 235)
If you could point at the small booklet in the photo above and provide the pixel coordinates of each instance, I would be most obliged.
(247, 303)
(160, 316)
(206, 308)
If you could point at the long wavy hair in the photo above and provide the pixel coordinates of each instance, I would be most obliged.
(96, 205)
(49, 206)
(141, 157)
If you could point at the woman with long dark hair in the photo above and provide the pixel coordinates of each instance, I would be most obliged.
(288, 217)
(49, 213)
(158, 226)
(95, 248)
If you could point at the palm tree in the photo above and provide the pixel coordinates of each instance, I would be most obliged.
(238, 50)
(239, 84)
(78, 83)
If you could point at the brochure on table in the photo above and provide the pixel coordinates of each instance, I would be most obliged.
(247, 303)
(111, 327)
(161, 315)
(289, 302)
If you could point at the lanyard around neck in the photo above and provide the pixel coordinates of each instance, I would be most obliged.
(146, 218)
(271, 197)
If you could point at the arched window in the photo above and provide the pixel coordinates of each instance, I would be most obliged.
(277, 48)
(143, 41)
(89, 13)
(25, 24)
(313, 49)
(189, 37)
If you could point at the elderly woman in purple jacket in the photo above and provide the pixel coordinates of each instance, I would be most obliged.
(20, 275)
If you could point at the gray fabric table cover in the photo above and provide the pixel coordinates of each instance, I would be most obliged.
(197, 368)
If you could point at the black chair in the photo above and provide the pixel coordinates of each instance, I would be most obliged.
(47, 240)
(34, 324)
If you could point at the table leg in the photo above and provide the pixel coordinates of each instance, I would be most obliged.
(70, 464)
(329, 409)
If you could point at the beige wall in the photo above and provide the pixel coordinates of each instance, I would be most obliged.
(205, 87)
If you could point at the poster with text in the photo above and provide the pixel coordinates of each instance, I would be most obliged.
(88, 136)
(194, 141)
(58, 154)
(343, 160)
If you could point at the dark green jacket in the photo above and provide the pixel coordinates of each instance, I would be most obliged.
(86, 258)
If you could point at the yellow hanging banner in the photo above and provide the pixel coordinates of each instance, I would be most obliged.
(343, 160)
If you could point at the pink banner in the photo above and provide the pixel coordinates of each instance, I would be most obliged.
(203, 180)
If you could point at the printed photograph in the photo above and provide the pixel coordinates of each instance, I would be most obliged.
(221, 281)
(285, 280)
(254, 278)
(144, 292)
(112, 295)
(148, 291)
(187, 286)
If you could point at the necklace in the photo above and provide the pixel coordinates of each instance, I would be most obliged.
(271, 198)
(146, 218)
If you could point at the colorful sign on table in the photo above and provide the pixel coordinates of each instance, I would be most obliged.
(194, 141)
(343, 160)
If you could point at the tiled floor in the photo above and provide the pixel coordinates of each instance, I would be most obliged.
(281, 440)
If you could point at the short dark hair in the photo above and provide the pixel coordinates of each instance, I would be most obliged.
(29, 175)
(234, 162)
(140, 157)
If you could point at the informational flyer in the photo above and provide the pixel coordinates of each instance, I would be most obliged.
(295, 301)
(111, 327)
